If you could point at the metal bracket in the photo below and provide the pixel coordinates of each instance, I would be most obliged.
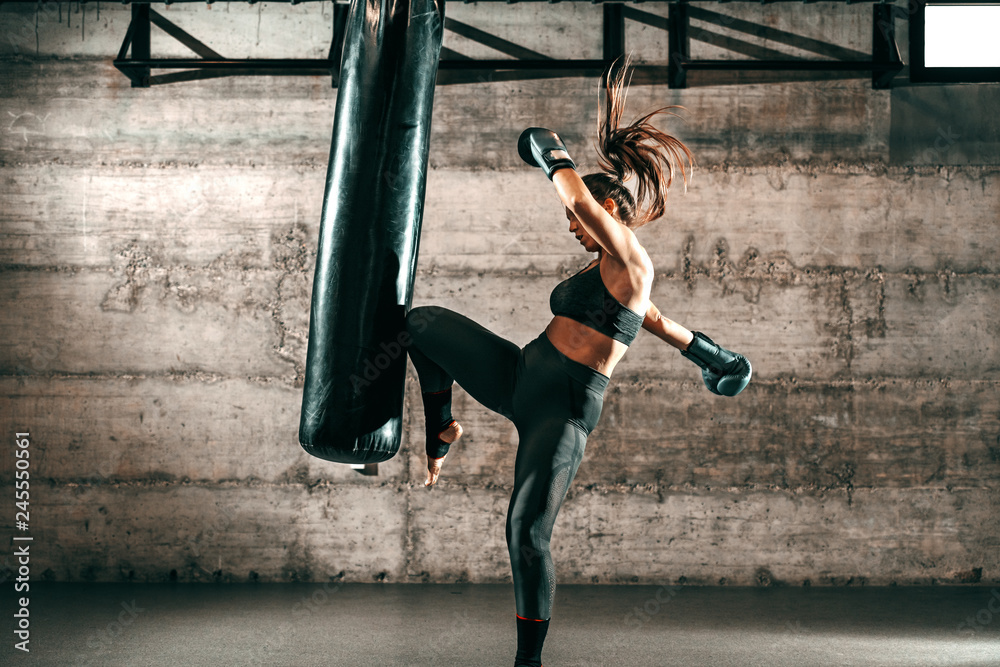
(885, 54)
(136, 37)
(678, 45)
(211, 64)
(885, 62)
(614, 32)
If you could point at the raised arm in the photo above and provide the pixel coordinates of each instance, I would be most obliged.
(616, 239)
(543, 148)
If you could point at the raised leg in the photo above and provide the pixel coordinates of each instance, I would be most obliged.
(446, 347)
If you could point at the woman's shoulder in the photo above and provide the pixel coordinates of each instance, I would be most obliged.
(638, 270)
(629, 283)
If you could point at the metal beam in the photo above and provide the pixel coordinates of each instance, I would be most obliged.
(325, 64)
(885, 62)
(294, 66)
(678, 45)
(614, 32)
(791, 65)
(178, 33)
(547, 64)
(885, 53)
(140, 45)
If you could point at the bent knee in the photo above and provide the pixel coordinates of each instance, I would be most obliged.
(421, 317)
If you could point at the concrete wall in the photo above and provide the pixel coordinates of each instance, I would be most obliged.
(157, 250)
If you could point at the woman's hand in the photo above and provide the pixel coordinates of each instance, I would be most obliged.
(543, 148)
(434, 470)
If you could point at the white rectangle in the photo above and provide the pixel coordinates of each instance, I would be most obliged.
(962, 36)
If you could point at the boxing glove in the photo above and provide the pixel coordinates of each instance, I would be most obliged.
(725, 373)
(543, 148)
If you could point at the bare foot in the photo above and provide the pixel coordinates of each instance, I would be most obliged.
(449, 435)
(452, 433)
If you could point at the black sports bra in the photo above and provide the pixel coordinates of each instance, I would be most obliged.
(585, 298)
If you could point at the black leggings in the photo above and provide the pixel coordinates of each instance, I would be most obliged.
(554, 402)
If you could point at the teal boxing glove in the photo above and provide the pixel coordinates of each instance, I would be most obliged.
(543, 148)
(725, 373)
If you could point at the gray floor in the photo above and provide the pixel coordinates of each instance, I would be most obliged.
(468, 625)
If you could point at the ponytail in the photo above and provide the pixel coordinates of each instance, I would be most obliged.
(637, 150)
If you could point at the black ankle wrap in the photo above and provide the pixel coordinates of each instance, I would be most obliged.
(437, 417)
(530, 637)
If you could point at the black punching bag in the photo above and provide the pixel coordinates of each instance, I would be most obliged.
(352, 402)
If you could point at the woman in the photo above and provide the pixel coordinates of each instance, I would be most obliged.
(553, 388)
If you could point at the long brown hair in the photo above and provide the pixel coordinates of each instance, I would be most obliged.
(638, 150)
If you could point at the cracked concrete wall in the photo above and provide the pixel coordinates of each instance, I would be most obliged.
(157, 251)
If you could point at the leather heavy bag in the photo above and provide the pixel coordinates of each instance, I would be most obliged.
(352, 402)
